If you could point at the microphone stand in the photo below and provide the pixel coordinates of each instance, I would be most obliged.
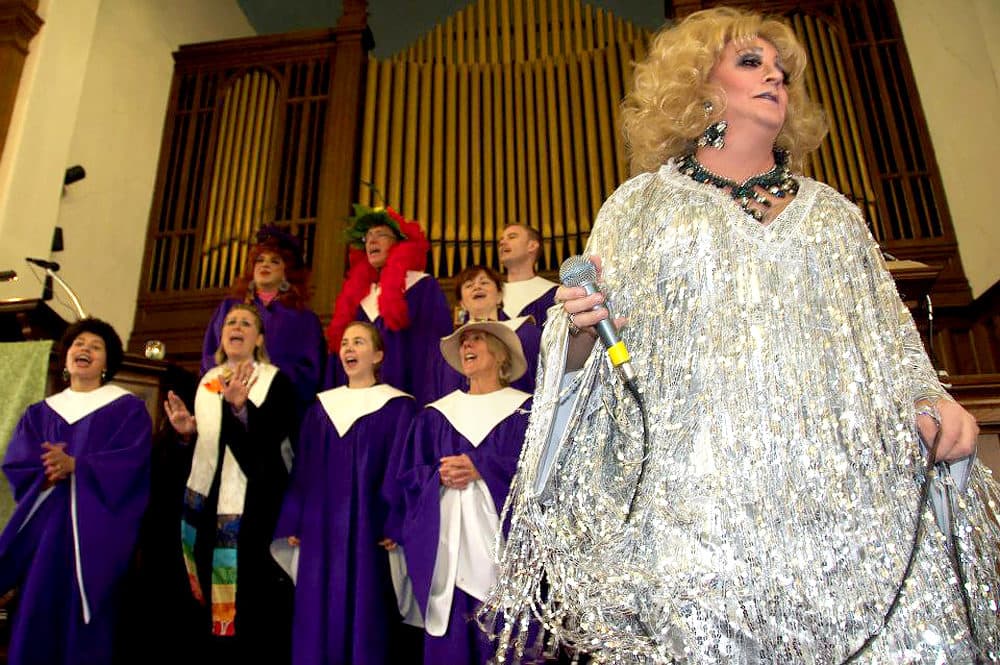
(80, 314)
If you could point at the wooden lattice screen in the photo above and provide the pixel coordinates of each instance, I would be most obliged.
(260, 130)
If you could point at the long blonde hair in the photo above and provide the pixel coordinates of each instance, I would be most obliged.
(664, 113)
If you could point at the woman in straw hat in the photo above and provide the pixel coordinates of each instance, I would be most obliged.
(455, 471)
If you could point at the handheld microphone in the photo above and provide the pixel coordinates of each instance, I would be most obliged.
(42, 263)
(578, 271)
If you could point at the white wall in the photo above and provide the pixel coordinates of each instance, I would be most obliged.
(955, 50)
(41, 128)
(117, 139)
(116, 78)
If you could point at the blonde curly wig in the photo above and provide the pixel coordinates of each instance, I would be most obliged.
(664, 113)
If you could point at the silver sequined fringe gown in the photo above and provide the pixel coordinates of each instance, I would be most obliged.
(779, 369)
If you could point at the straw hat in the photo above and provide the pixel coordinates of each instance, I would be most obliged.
(451, 346)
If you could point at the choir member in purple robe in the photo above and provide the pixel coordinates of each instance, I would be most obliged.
(479, 290)
(525, 293)
(275, 281)
(386, 285)
(78, 465)
(244, 418)
(330, 536)
(455, 471)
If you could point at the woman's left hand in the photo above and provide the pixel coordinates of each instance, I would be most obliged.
(57, 462)
(958, 431)
(457, 471)
(239, 384)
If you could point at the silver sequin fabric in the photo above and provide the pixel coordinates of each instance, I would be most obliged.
(779, 369)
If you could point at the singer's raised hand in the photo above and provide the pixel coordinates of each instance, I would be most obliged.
(237, 388)
(180, 418)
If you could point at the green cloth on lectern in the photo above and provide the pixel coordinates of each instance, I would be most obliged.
(24, 368)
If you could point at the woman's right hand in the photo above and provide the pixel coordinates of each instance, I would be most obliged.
(180, 418)
(580, 307)
(584, 313)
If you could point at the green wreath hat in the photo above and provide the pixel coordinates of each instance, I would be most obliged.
(365, 218)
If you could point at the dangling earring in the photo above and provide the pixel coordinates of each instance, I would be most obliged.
(104, 375)
(715, 134)
(65, 375)
(284, 286)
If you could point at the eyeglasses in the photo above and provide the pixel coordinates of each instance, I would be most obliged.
(377, 235)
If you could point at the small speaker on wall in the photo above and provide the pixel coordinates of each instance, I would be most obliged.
(74, 174)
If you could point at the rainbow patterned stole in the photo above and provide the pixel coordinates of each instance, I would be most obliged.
(211, 459)
(224, 563)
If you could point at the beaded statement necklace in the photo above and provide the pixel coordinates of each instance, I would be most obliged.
(778, 182)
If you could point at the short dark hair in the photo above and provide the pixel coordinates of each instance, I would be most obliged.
(112, 342)
(470, 273)
(533, 234)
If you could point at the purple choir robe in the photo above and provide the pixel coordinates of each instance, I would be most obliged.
(67, 551)
(532, 297)
(294, 341)
(435, 435)
(410, 353)
(345, 608)
(448, 379)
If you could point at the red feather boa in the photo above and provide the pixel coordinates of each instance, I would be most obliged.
(405, 255)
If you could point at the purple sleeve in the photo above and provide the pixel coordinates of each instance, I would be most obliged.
(311, 438)
(296, 344)
(117, 472)
(539, 308)
(420, 482)
(430, 318)
(496, 458)
(112, 485)
(531, 340)
(445, 379)
(392, 489)
(23, 462)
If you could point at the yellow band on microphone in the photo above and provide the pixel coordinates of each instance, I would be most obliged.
(618, 354)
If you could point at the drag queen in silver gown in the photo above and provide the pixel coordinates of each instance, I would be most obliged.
(788, 395)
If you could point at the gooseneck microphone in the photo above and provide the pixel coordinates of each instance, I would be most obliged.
(42, 263)
(579, 271)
